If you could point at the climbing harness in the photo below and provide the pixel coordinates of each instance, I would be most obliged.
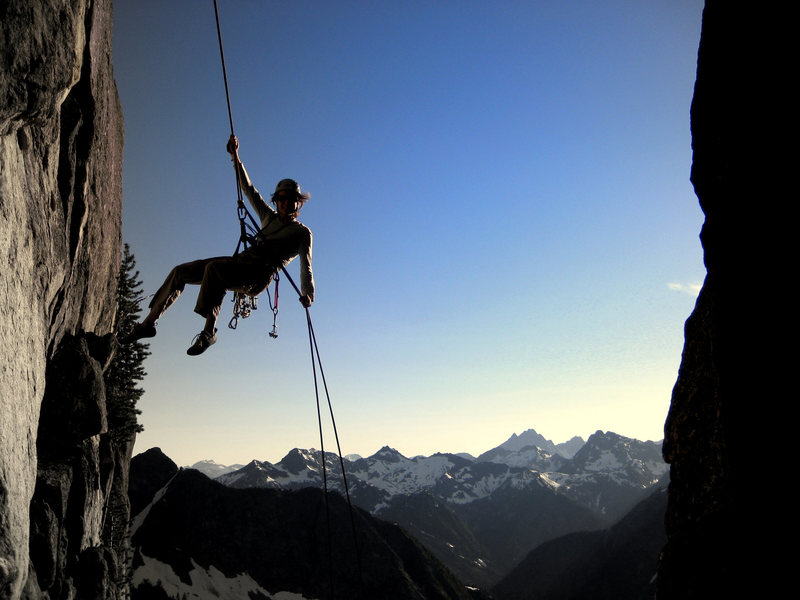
(244, 303)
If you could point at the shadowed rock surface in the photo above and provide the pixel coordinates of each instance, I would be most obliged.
(618, 563)
(719, 514)
(61, 138)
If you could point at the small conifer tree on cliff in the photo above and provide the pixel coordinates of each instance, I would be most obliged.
(122, 393)
(126, 370)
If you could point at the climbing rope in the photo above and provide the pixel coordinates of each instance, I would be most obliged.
(316, 360)
(244, 304)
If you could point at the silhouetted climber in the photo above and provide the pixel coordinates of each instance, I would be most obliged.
(281, 238)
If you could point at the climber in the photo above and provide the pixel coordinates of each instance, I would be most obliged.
(281, 238)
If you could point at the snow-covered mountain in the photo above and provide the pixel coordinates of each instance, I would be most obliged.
(213, 469)
(622, 466)
(375, 480)
(490, 511)
(528, 449)
(194, 538)
(610, 470)
(529, 439)
(372, 481)
(570, 447)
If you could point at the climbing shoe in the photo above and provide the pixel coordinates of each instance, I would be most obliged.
(138, 332)
(201, 342)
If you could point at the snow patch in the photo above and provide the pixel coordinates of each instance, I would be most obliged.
(139, 519)
(209, 584)
(607, 462)
(550, 480)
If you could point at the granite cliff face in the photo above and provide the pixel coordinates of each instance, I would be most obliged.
(61, 138)
(719, 513)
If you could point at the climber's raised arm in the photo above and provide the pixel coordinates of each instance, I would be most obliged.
(262, 208)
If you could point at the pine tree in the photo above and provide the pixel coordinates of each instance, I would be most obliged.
(122, 393)
(126, 370)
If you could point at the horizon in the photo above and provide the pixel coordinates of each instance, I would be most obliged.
(504, 227)
(409, 456)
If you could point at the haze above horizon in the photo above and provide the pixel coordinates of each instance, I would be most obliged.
(353, 456)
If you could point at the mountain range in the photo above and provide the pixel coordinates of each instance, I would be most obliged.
(195, 538)
(480, 516)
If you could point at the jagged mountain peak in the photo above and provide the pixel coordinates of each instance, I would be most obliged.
(608, 440)
(457, 460)
(301, 453)
(519, 444)
(388, 454)
(600, 437)
(256, 473)
(529, 437)
(254, 464)
(569, 448)
(609, 452)
(155, 456)
(299, 459)
(213, 469)
(527, 450)
(599, 441)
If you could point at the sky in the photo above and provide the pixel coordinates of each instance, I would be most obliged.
(505, 234)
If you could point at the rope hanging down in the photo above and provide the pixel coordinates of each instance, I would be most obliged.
(243, 304)
(247, 233)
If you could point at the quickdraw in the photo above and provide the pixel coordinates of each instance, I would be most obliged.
(274, 308)
(243, 306)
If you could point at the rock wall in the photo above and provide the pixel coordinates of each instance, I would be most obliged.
(61, 138)
(721, 433)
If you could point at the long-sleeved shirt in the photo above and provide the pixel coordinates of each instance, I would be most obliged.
(278, 242)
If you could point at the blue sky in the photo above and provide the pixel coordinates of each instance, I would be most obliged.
(505, 235)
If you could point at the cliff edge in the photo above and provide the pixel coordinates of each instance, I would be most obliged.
(61, 139)
(721, 514)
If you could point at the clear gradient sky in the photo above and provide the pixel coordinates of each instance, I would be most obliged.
(505, 235)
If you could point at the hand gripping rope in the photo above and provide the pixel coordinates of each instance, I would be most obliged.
(243, 304)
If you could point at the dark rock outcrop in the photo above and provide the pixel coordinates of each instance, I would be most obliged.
(732, 369)
(512, 521)
(61, 139)
(440, 529)
(618, 563)
(153, 469)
